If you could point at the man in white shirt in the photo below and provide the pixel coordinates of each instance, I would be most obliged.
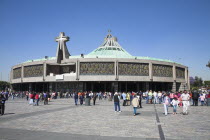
(159, 97)
(91, 94)
(155, 97)
(185, 100)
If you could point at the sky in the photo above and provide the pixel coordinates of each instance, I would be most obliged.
(178, 30)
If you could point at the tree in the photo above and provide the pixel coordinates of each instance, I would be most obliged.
(197, 83)
(4, 85)
(207, 83)
(208, 65)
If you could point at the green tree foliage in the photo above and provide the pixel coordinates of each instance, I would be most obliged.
(207, 83)
(4, 85)
(198, 83)
(208, 65)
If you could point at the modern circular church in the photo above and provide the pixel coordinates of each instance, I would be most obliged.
(107, 68)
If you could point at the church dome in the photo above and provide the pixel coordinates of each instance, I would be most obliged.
(110, 48)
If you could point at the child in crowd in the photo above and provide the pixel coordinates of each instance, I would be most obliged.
(202, 98)
(175, 103)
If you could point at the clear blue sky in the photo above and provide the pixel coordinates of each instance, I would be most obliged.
(177, 30)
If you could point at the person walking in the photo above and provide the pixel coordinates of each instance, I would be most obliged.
(27, 95)
(94, 98)
(124, 98)
(81, 96)
(175, 103)
(45, 98)
(195, 96)
(31, 99)
(2, 104)
(171, 95)
(75, 98)
(185, 100)
(128, 98)
(37, 99)
(116, 102)
(140, 98)
(155, 96)
(202, 98)
(159, 97)
(150, 96)
(135, 104)
(166, 102)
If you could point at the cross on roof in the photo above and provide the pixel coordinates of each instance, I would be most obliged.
(62, 37)
(62, 51)
(109, 34)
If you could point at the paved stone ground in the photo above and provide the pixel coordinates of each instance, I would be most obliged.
(61, 119)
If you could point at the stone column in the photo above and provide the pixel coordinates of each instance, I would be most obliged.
(44, 71)
(77, 69)
(174, 72)
(186, 79)
(116, 70)
(174, 78)
(150, 71)
(22, 73)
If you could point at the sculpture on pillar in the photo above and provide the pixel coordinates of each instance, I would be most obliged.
(62, 51)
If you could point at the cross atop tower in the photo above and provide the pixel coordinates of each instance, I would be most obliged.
(62, 37)
(62, 51)
(109, 34)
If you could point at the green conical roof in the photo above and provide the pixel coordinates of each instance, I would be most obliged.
(110, 48)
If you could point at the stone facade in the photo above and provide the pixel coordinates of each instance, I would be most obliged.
(180, 72)
(162, 71)
(106, 70)
(136, 69)
(96, 68)
(17, 73)
(33, 71)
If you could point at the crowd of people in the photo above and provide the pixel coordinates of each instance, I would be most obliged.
(168, 99)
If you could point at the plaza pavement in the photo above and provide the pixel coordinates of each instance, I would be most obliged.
(62, 120)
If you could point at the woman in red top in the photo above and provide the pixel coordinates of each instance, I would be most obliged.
(37, 99)
(31, 100)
